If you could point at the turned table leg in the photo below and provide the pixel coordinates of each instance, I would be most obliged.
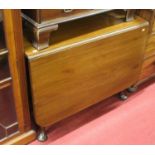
(123, 96)
(42, 136)
(132, 89)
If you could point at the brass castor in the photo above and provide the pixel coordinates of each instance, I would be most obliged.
(132, 89)
(42, 136)
(123, 96)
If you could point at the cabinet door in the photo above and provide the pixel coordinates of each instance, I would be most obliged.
(8, 118)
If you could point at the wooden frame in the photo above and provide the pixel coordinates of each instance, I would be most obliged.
(14, 41)
(148, 69)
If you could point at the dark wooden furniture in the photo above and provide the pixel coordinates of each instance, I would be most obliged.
(40, 23)
(85, 66)
(148, 69)
(15, 124)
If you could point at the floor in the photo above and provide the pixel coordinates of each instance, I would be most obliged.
(110, 122)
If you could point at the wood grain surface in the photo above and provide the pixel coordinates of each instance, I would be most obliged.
(90, 68)
(150, 47)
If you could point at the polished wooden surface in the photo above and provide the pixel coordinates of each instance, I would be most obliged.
(82, 26)
(85, 29)
(148, 70)
(59, 15)
(22, 139)
(48, 14)
(14, 42)
(150, 47)
(39, 33)
(149, 15)
(88, 68)
(8, 118)
(12, 20)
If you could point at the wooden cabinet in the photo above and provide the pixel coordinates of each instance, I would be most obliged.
(83, 69)
(53, 15)
(8, 118)
(150, 46)
(148, 70)
(149, 15)
(40, 23)
(15, 123)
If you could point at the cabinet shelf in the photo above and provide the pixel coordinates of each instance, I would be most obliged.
(15, 123)
(3, 51)
(5, 83)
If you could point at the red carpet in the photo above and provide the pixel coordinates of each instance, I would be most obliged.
(110, 122)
